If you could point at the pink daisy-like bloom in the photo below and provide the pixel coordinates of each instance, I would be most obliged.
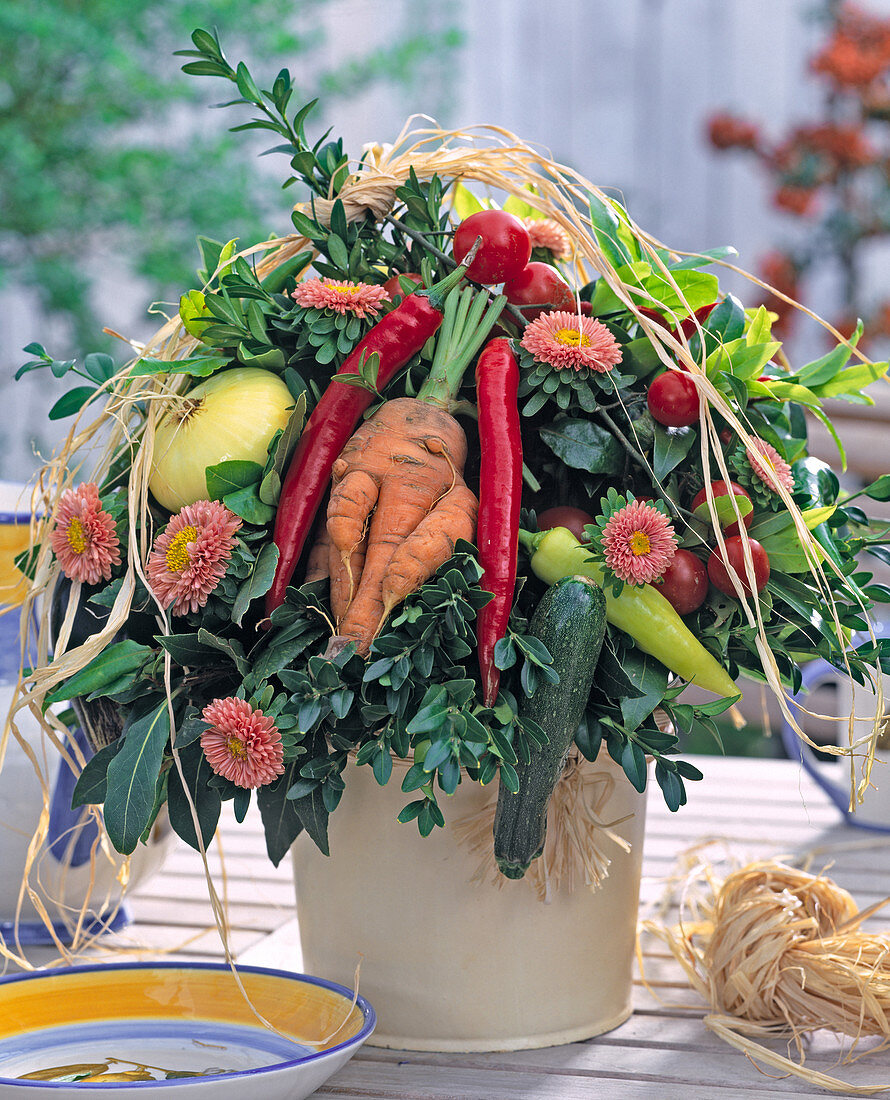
(769, 465)
(190, 557)
(638, 543)
(567, 340)
(549, 234)
(242, 744)
(362, 299)
(84, 538)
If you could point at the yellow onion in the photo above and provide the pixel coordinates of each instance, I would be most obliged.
(232, 415)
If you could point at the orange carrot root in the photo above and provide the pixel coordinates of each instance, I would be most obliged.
(345, 571)
(352, 501)
(429, 545)
(399, 463)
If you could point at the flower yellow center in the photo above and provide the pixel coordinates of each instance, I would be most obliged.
(75, 534)
(572, 338)
(236, 747)
(177, 552)
(639, 543)
(347, 289)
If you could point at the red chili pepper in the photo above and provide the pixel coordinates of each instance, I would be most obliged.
(395, 339)
(500, 495)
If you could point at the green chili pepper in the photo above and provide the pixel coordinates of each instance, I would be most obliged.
(640, 610)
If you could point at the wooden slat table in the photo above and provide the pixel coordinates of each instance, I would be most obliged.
(749, 809)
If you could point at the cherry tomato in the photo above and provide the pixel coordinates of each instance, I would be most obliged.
(393, 287)
(735, 555)
(565, 516)
(505, 249)
(684, 584)
(537, 289)
(723, 489)
(673, 399)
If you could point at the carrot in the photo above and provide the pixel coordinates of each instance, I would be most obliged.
(317, 562)
(429, 545)
(349, 508)
(412, 453)
(345, 572)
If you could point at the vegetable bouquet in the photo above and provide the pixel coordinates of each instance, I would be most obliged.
(342, 488)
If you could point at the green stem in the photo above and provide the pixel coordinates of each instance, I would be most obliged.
(530, 480)
(421, 238)
(468, 319)
(529, 540)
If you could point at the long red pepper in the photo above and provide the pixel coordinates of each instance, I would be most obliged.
(500, 495)
(395, 339)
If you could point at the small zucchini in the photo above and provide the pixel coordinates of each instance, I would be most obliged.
(571, 621)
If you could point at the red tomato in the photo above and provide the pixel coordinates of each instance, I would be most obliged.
(539, 288)
(684, 584)
(565, 516)
(673, 399)
(505, 249)
(723, 489)
(735, 555)
(393, 287)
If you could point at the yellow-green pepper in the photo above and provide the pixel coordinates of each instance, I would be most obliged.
(640, 611)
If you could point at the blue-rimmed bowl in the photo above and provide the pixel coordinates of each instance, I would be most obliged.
(132, 1030)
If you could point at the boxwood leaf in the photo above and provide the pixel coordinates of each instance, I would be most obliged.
(71, 402)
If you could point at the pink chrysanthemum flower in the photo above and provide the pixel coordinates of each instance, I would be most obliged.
(84, 538)
(242, 744)
(769, 465)
(638, 543)
(362, 299)
(567, 340)
(190, 557)
(549, 234)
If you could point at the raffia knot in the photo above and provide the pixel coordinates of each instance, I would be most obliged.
(779, 941)
(370, 190)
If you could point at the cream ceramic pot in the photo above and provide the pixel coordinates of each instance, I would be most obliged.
(456, 965)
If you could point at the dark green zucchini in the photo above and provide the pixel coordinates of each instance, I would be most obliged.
(571, 621)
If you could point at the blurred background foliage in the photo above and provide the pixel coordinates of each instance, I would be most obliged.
(107, 147)
(830, 172)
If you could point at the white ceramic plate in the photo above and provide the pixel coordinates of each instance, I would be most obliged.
(128, 1031)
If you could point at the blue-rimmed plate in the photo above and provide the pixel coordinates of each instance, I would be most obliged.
(136, 1029)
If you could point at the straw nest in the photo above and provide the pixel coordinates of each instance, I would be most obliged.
(121, 419)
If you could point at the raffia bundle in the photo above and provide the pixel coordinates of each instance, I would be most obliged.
(773, 951)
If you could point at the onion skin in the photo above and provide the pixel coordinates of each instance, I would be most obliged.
(231, 415)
